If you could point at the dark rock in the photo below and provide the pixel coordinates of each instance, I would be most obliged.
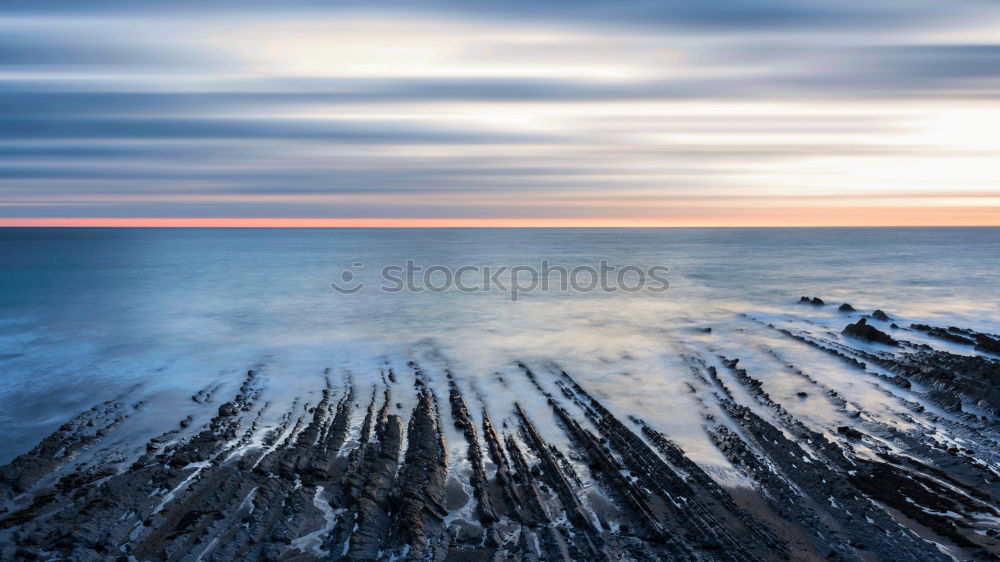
(943, 334)
(775, 462)
(422, 479)
(983, 342)
(479, 479)
(946, 399)
(817, 301)
(850, 432)
(879, 315)
(845, 308)
(228, 409)
(862, 330)
(950, 376)
(918, 496)
(212, 495)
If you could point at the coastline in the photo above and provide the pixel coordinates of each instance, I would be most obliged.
(356, 475)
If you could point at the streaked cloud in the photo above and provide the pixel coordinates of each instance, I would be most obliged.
(672, 112)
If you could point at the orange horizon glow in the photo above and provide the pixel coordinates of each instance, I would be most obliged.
(851, 217)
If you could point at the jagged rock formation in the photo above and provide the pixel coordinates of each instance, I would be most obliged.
(984, 342)
(864, 331)
(557, 475)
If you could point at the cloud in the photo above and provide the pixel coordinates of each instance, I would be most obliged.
(245, 128)
(491, 109)
(707, 14)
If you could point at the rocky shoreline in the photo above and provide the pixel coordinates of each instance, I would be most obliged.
(358, 476)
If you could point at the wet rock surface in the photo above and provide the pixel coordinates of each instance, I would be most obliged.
(984, 342)
(865, 331)
(366, 471)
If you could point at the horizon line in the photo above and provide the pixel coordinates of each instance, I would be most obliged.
(249, 222)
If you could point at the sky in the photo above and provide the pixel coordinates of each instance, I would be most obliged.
(515, 113)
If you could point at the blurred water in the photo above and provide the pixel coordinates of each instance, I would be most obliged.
(88, 314)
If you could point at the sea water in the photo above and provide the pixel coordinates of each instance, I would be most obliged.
(153, 315)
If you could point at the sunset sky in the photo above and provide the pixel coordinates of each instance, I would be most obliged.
(517, 113)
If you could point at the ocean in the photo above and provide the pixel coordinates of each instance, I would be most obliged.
(154, 315)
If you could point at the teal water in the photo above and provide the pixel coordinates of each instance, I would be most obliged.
(90, 314)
